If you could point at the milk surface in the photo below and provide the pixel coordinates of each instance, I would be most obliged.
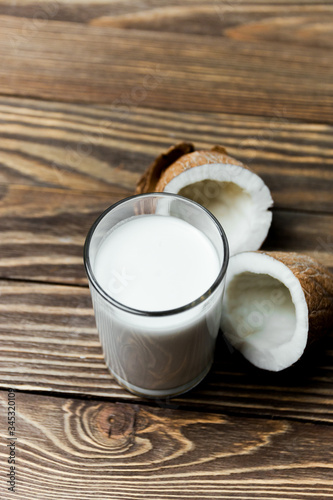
(156, 263)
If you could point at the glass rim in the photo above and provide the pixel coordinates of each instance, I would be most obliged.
(168, 312)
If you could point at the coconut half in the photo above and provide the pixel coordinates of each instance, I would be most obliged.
(237, 197)
(276, 304)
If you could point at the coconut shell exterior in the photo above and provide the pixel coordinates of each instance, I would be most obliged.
(317, 284)
(175, 160)
(195, 159)
(147, 183)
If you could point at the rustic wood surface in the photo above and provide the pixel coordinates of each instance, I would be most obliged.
(90, 93)
(167, 68)
(77, 449)
(59, 351)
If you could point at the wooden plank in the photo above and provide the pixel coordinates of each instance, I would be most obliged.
(74, 449)
(304, 22)
(98, 148)
(185, 72)
(304, 233)
(42, 232)
(49, 343)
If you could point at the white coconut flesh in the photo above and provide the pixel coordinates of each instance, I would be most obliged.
(237, 197)
(264, 313)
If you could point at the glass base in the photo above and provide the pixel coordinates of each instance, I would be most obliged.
(161, 393)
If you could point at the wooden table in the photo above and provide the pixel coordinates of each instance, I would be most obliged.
(90, 93)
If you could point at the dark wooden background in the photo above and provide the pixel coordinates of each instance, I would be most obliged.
(90, 93)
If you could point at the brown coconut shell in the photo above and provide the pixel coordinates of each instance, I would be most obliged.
(317, 284)
(177, 159)
(194, 159)
(149, 179)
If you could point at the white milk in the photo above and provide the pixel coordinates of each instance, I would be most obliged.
(156, 263)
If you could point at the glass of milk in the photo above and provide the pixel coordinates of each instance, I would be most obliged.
(156, 266)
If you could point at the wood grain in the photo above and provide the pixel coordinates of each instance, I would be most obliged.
(103, 148)
(254, 76)
(49, 343)
(304, 22)
(156, 69)
(73, 449)
(42, 232)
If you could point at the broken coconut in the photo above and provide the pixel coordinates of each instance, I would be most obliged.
(237, 197)
(276, 304)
